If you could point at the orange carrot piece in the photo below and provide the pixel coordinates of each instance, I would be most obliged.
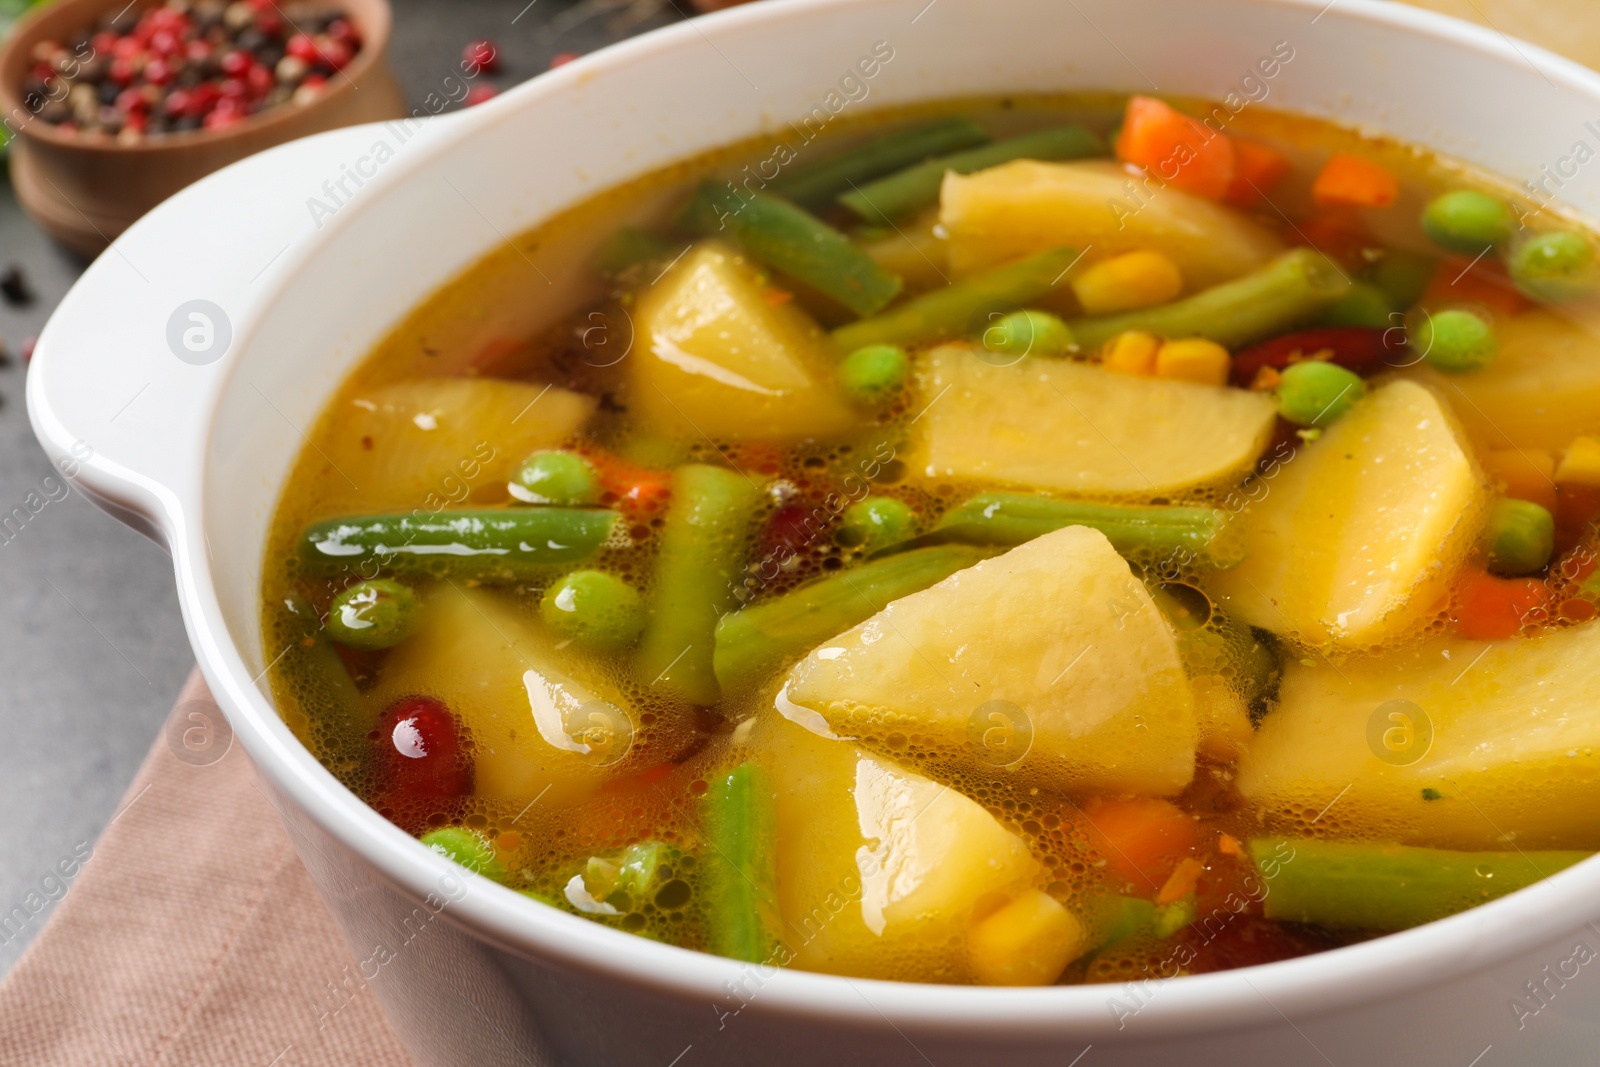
(1461, 281)
(1355, 182)
(1185, 876)
(1490, 608)
(1177, 149)
(1256, 169)
(639, 491)
(1228, 845)
(1143, 840)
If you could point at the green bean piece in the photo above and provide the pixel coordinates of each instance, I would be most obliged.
(964, 307)
(468, 848)
(876, 522)
(336, 717)
(632, 247)
(788, 239)
(498, 544)
(820, 182)
(916, 187)
(739, 865)
(1126, 917)
(556, 477)
(1011, 519)
(1287, 291)
(1028, 333)
(1520, 537)
(697, 570)
(1317, 393)
(1453, 340)
(1554, 267)
(756, 642)
(1364, 305)
(594, 609)
(1368, 886)
(1467, 221)
(1403, 276)
(872, 375)
(379, 613)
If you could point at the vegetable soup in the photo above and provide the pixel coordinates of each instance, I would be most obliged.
(1024, 541)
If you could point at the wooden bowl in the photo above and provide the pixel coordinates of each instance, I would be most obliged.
(84, 193)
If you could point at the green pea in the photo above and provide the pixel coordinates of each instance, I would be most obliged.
(374, 614)
(1554, 267)
(1452, 341)
(1363, 305)
(1467, 221)
(1317, 393)
(877, 522)
(1024, 333)
(1520, 537)
(468, 848)
(564, 479)
(1403, 276)
(871, 375)
(594, 609)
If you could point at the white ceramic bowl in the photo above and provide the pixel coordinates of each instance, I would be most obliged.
(195, 454)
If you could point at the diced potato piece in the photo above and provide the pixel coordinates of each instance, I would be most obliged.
(1054, 644)
(1020, 208)
(534, 726)
(879, 868)
(713, 355)
(913, 250)
(1514, 757)
(1360, 532)
(431, 443)
(1542, 390)
(1068, 427)
(1028, 941)
(1580, 463)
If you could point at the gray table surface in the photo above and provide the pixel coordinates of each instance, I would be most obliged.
(92, 648)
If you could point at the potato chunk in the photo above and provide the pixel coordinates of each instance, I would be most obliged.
(1508, 732)
(1020, 208)
(1067, 427)
(1053, 649)
(1359, 533)
(534, 725)
(879, 868)
(431, 443)
(713, 355)
(1543, 388)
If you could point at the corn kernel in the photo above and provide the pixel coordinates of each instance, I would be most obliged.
(1527, 473)
(1129, 281)
(1028, 941)
(1581, 464)
(1193, 359)
(1131, 353)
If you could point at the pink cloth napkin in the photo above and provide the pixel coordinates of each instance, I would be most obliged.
(191, 935)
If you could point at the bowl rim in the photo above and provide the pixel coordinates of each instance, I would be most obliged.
(1305, 986)
(374, 18)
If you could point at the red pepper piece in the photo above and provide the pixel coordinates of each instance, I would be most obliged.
(1363, 349)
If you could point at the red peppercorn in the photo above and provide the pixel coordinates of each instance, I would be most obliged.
(236, 63)
(561, 59)
(420, 760)
(157, 72)
(332, 54)
(259, 80)
(131, 102)
(178, 103)
(103, 42)
(127, 47)
(302, 47)
(343, 30)
(481, 55)
(197, 51)
(480, 93)
(164, 42)
(234, 89)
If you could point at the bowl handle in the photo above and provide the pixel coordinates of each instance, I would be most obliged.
(127, 370)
